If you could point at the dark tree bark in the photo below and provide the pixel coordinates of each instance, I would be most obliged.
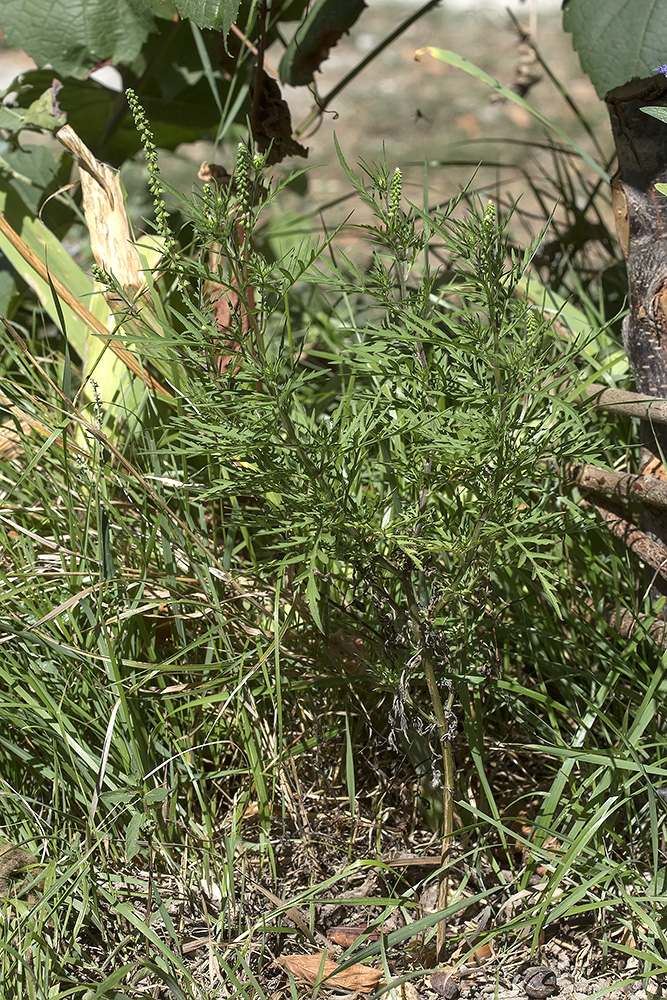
(641, 222)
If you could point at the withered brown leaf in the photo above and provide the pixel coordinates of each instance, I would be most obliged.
(345, 935)
(273, 125)
(313, 968)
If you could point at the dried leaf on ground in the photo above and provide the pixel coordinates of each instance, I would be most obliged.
(347, 935)
(482, 953)
(524, 827)
(445, 985)
(313, 968)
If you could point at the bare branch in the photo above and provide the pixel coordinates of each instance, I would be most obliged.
(646, 489)
(627, 624)
(650, 552)
(628, 404)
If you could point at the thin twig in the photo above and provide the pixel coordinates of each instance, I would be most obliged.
(268, 68)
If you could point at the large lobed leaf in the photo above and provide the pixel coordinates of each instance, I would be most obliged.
(216, 14)
(617, 39)
(182, 113)
(326, 22)
(73, 36)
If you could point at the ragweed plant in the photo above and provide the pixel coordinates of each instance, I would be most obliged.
(389, 473)
(350, 510)
(155, 184)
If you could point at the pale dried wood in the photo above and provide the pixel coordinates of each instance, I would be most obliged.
(111, 240)
(628, 404)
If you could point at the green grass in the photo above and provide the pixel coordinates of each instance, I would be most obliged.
(229, 616)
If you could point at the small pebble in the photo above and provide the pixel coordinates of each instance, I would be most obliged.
(445, 985)
(539, 982)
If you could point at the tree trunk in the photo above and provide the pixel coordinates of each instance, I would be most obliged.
(641, 223)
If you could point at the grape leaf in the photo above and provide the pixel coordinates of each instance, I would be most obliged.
(216, 14)
(326, 22)
(174, 118)
(618, 39)
(74, 35)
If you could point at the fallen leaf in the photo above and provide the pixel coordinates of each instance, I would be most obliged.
(317, 968)
(482, 953)
(445, 985)
(347, 935)
(349, 650)
(526, 830)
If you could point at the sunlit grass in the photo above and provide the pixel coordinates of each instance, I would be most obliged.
(224, 621)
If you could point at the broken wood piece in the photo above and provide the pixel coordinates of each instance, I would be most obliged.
(111, 240)
(232, 303)
(628, 404)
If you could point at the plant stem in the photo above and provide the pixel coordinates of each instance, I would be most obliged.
(442, 714)
(259, 69)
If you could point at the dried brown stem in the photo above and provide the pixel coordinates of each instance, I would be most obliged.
(650, 552)
(646, 489)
